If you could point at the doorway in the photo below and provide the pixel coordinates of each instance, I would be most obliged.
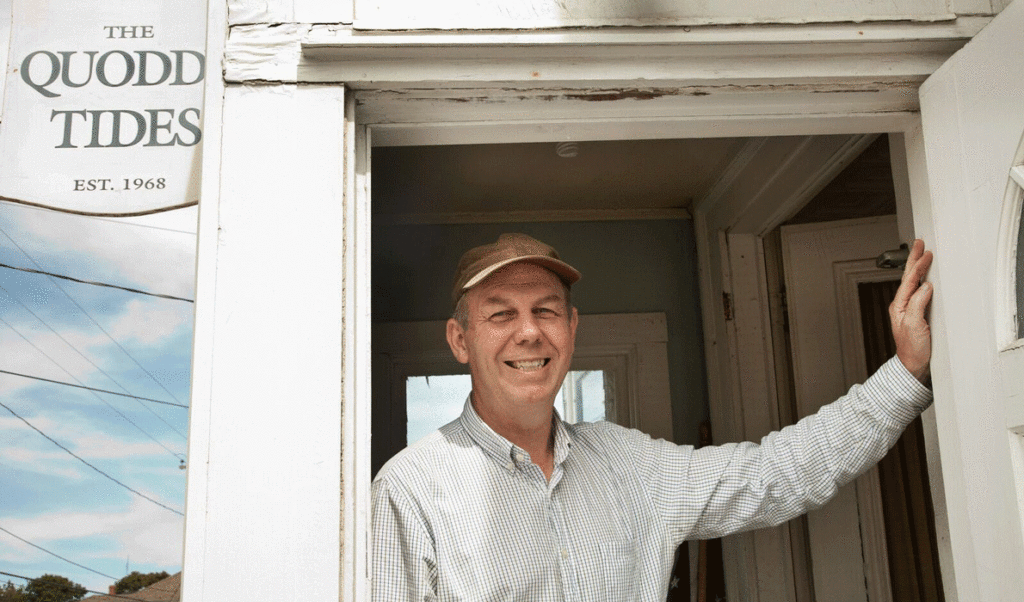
(621, 212)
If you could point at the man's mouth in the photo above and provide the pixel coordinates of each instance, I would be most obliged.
(529, 365)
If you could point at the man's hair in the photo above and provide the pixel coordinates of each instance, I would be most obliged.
(461, 313)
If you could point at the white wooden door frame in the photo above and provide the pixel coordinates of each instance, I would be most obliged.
(759, 565)
(455, 88)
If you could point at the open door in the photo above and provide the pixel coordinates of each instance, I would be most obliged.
(875, 541)
(973, 119)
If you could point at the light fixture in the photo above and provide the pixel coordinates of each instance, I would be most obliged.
(567, 150)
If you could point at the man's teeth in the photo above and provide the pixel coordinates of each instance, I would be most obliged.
(528, 365)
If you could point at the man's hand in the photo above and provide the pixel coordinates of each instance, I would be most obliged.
(906, 312)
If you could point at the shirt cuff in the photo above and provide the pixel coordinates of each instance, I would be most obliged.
(896, 390)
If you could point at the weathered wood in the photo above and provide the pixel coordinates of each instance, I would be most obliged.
(867, 53)
(531, 14)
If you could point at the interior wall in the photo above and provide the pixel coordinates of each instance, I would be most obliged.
(627, 266)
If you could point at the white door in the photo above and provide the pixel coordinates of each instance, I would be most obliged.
(972, 112)
(823, 265)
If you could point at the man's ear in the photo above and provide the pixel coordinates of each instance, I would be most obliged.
(457, 341)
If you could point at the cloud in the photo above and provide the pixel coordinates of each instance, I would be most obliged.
(150, 323)
(144, 257)
(144, 532)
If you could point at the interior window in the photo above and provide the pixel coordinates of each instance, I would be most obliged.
(433, 401)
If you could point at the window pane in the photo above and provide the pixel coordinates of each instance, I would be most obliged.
(434, 401)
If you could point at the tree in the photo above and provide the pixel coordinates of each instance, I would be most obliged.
(11, 593)
(53, 588)
(134, 581)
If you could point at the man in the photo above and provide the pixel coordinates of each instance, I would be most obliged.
(510, 503)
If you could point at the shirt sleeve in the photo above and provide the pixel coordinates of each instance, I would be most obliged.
(715, 491)
(404, 562)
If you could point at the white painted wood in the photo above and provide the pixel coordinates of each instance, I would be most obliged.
(846, 276)
(427, 123)
(241, 12)
(198, 485)
(770, 183)
(6, 18)
(751, 332)
(766, 183)
(356, 424)
(916, 174)
(324, 11)
(973, 124)
(268, 411)
(976, 7)
(532, 14)
(1007, 252)
(868, 53)
(810, 252)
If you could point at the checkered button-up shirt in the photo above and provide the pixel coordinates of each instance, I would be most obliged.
(464, 514)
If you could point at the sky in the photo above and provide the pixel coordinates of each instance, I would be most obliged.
(107, 339)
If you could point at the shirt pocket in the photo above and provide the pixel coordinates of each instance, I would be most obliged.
(618, 562)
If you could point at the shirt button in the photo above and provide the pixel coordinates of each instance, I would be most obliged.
(565, 553)
(520, 458)
(510, 466)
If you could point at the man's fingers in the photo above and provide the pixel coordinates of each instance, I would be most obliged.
(917, 266)
(918, 304)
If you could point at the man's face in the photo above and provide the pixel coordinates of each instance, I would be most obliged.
(518, 340)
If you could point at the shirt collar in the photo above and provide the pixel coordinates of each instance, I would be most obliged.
(500, 449)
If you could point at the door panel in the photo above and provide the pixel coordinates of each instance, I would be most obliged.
(973, 118)
(847, 544)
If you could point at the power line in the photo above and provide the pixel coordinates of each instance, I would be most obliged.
(94, 283)
(57, 382)
(97, 324)
(91, 363)
(118, 221)
(65, 370)
(79, 458)
(81, 566)
(89, 591)
(100, 213)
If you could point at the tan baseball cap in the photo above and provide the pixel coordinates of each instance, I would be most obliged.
(480, 262)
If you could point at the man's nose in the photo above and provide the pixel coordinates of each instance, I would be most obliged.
(529, 329)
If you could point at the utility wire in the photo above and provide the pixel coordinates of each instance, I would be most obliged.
(105, 402)
(80, 459)
(94, 283)
(58, 382)
(82, 309)
(66, 371)
(89, 591)
(91, 363)
(115, 220)
(100, 213)
(81, 566)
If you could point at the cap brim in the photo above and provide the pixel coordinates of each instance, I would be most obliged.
(563, 270)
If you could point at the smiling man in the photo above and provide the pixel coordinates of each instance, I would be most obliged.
(510, 503)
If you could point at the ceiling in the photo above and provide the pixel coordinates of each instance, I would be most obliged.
(487, 181)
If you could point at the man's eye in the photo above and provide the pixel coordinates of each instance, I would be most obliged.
(502, 316)
(545, 311)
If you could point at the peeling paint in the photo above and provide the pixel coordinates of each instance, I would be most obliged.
(618, 95)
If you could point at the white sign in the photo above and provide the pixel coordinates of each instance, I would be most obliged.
(102, 104)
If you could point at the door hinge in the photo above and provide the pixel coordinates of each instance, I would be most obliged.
(727, 306)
